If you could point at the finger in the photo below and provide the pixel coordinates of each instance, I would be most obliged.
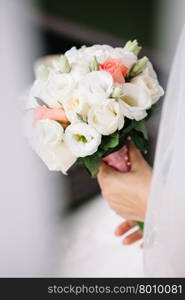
(124, 227)
(132, 238)
(142, 245)
(135, 155)
(105, 171)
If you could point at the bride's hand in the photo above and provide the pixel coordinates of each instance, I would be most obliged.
(132, 237)
(127, 193)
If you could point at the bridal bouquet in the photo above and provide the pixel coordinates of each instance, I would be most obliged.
(85, 103)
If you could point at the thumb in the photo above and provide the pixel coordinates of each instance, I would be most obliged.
(105, 172)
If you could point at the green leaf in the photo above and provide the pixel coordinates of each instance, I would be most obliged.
(60, 103)
(140, 225)
(94, 65)
(139, 140)
(132, 46)
(81, 118)
(116, 92)
(92, 163)
(129, 126)
(110, 141)
(154, 109)
(138, 67)
(141, 127)
(64, 65)
(41, 102)
(64, 122)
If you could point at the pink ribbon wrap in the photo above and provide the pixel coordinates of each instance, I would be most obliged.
(119, 160)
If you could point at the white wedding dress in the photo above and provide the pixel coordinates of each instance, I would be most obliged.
(165, 222)
(89, 247)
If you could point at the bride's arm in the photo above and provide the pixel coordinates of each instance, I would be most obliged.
(127, 193)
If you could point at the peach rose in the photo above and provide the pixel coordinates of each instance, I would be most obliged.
(55, 114)
(116, 69)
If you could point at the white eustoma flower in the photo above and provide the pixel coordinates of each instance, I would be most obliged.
(95, 87)
(48, 132)
(54, 89)
(47, 140)
(79, 70)
(82, 139)
(41, 71)
(56, 158)
(75, 55)
(61, 64)
(107, 117)
(102, 53)
(78, 62)
(105, 52)
(74, 105)
(149, 70)
(128, 58)
(134, 101)
(158, 92)
(148, 80)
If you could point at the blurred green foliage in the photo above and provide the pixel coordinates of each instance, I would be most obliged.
(125, 19)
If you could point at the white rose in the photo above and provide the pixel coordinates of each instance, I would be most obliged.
(54, 89)
(134, 101)
(148, 80)
(107, 117)
(128, 58)
(96, 86)
(82, 139)
(47, 140)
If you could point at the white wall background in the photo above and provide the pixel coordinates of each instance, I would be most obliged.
(30, 196)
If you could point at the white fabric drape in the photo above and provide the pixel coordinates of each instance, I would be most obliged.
(164, 241)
